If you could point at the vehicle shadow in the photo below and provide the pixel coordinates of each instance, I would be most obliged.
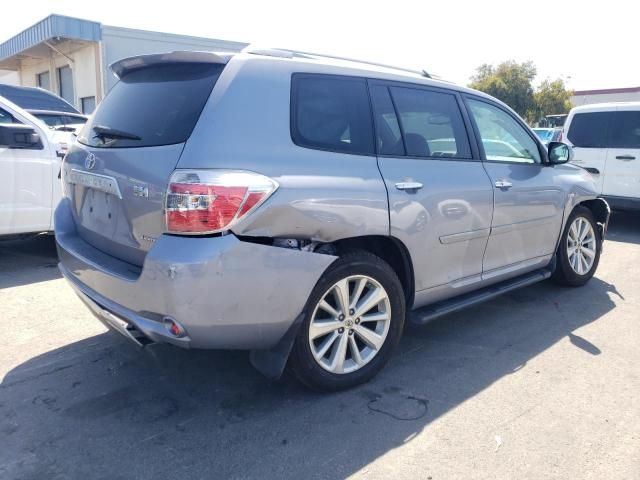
(99, 408)
(624, 227)
(28, 260)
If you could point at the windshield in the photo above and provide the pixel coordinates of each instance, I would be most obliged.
(55, 120)
(543, 134)
(152, 106)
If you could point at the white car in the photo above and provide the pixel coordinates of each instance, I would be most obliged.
(30, 160)
(606, 142)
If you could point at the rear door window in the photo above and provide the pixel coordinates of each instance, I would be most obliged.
(331, 113)
(159, 104)
(431, 123)
(625, 129)
(589, 130)
(388, 135)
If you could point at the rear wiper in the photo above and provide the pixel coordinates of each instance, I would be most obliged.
(108, 132)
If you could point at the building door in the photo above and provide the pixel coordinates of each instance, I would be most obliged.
(65, 84)
(43, 80)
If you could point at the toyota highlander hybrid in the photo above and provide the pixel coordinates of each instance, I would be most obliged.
(303, 207)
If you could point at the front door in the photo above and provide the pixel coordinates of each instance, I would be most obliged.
(440, 198)
(528, 201)
(25, 186)
(622, 176)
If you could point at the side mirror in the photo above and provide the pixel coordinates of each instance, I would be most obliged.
(559, 153)
(16, 135)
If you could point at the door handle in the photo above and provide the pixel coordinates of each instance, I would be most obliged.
(625, 157)
(503, 184)
(409, 185)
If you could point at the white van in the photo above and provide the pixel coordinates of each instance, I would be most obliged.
(30, 159)
(606, 141)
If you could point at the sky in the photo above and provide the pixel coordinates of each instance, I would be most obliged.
(589, 44)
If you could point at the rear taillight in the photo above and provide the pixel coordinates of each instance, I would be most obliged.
(211, 201)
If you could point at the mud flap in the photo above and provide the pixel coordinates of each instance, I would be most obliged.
(271, 362)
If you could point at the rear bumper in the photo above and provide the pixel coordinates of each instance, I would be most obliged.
(226, 293)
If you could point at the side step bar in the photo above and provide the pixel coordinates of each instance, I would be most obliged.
(425, 314)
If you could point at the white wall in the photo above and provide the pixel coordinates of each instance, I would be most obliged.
(118, 43)
(83, 67)
(578, 100)
(9, 77)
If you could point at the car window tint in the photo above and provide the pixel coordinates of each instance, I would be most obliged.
(589, 130)
(432, 123)
(625, 129)
(51, 120)
(503, 138)
(388, 136)
(6, 117)
(332, 113)
(160, 104)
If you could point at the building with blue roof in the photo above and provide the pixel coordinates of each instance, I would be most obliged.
(71, 56)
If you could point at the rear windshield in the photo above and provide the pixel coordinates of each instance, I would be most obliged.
(159, 105)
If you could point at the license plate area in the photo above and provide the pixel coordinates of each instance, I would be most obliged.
(100, 212)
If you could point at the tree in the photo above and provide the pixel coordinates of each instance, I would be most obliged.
(510, 82)
(551, 97)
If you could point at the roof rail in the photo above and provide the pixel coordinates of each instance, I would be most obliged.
(422, 73)
(288, 53)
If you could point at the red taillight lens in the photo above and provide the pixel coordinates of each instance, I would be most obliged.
(210, 201)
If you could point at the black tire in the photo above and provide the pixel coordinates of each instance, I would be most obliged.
(565, 274)
(302, 362)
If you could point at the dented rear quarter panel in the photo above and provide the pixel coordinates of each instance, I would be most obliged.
(322, 196)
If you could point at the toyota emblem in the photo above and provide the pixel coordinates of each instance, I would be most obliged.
(90, 161)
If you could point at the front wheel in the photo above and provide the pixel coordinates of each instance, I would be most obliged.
(353, 321)
(579, 251)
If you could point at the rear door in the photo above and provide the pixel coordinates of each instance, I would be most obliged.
(440, 198)
(117, 174)
(622, 177)
(587, 133)
(528, 200)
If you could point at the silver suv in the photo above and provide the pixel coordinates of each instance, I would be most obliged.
(303, 207)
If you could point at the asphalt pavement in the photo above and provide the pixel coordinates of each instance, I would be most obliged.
(540, 383)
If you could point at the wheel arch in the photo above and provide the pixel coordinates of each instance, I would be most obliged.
(601, 212)
(389, 249)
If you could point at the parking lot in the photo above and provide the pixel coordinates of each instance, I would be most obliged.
(540, 383)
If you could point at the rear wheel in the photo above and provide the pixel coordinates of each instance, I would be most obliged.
(353, 322)
(579, 251)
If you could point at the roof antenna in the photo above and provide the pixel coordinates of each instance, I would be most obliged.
(426, 74)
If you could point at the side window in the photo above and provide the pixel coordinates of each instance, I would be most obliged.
(331, 113)
(431, 123)
(503, 138)
(388, 136)
(625, 129)
(6, 117)
(589, 130)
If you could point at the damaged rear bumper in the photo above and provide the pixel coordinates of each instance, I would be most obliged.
(224, 292)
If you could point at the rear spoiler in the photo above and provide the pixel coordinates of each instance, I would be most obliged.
(126, 65)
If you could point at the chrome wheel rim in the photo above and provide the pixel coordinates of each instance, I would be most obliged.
(350, 324)
(581, 246)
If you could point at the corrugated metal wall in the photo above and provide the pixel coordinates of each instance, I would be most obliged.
(51, 27)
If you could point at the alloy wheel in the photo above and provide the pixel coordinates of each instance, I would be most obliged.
(350, 324)
(581, 246)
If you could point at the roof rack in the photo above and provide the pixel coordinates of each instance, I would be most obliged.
(288, 53)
